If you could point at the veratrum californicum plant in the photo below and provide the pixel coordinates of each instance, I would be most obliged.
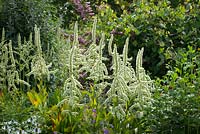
(130, 88)
(38, 65)
(10, 76)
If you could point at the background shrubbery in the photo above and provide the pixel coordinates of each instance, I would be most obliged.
(157, 26)
(66, 80)
(22, 16)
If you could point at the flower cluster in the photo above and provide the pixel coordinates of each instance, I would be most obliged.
(84, 9)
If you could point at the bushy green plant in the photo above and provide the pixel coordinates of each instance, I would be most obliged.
(176, 105)
(154, 25)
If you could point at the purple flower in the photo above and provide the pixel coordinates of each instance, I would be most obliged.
(84, 9)
(105, 131)
(94, 110)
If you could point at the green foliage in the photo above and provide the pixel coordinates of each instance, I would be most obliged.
(15, 80)
(102, 102)
(15, 112)
(176, 105)
(80, 81)
(21, 17)
(154, 25)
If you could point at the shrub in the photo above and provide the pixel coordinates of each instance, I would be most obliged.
(154, 25)
(176, 105)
